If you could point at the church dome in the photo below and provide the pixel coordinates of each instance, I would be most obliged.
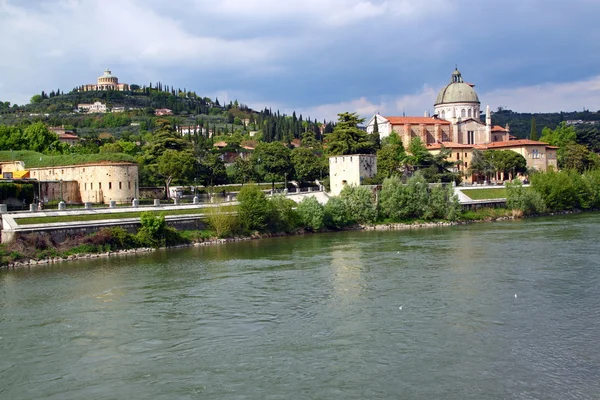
(457, 91)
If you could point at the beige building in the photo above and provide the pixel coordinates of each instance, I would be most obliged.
(350, 170)
(105, 82)
(95, 183)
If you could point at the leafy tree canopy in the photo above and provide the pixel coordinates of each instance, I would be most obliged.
(348, 138)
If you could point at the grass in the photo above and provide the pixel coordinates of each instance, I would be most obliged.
(34, 159)
(104, 216)
(485, 214)
(485, 194)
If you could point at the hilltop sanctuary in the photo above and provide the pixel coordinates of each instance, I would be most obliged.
(105, 82)
(456, 125)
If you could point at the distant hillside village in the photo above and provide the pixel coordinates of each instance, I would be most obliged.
(103, 142)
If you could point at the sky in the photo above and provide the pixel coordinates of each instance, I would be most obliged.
(315, 57)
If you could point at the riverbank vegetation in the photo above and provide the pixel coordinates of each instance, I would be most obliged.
(413, 202)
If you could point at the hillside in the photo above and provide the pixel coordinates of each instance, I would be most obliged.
(520, 123)
(137, 113)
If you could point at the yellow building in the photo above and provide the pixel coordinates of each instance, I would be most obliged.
(95, 183)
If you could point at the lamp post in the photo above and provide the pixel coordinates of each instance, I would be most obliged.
(61, 190)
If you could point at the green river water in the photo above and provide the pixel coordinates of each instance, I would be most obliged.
(506, 310)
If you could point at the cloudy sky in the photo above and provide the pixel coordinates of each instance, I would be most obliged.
(317, 57)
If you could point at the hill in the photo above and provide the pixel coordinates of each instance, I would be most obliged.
(137, 113)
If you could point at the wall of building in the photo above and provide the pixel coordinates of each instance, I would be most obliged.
(350, 170)
(98, 183)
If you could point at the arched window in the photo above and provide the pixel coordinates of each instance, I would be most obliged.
(469, 113)
(462, 113)
(443, 114)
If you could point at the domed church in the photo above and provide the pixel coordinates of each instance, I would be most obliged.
(456, 124)
(106, 82)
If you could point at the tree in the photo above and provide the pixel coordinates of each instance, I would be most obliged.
(560, 136)
(38, 138)
(211, 170)
(533, 135)
(308, 165)
(36, 99)
(243, 170)
(508, 162)
(253, 208)
(347, 137)
(175, 165)
(577, 157)
(390, 159)
(360, 203)
(272, 161)
(481, 166)
(311, 213)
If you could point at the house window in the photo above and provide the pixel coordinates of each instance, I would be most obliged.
(120, 185)
(100, 185)
(129, 185)
(457, 156)
(91, 186)
(85, 186)
(462, 113)
(469, 113)
(109, 185)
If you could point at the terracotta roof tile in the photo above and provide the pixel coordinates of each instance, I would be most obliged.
(498, 128)
(416, 120)
(513, 143)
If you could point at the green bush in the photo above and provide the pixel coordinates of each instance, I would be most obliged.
(360, 203)
(559, 190)
(222, 221)
(525, 199)
(155, 232)
(253, 208)
(336, 214)
(311, 214)
(281, 215)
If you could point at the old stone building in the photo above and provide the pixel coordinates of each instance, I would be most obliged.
(350, 170)
(94, 183)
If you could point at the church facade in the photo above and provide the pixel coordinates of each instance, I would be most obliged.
(456, 124)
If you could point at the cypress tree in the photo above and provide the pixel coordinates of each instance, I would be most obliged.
(533, 135)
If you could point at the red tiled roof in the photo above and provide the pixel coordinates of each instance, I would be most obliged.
(512, 143)
(220, 144)
(498, 128)
(296, 142)
(416, 120)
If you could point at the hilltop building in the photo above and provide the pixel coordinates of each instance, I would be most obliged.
(105, 82)
(456, 124)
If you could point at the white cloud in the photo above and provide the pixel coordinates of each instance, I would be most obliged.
(410, 104)
(547, 97)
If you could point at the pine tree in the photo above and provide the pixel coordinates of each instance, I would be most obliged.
(375, 126)
(533, 135)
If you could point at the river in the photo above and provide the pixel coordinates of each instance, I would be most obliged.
(505, 310)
